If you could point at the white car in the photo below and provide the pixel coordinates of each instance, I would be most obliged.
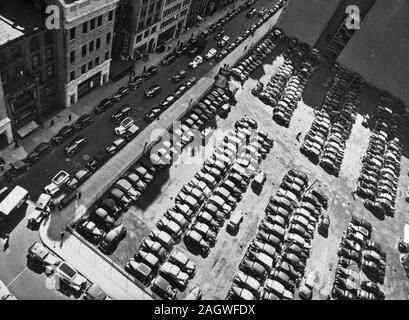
(57, 182)
(70, 276)
(235, 220)
(196, 62)
(174, 274)
(209, 55)
(124, 126)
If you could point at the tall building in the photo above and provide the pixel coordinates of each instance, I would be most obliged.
(28, 70)
(150, 23)
(84, 46)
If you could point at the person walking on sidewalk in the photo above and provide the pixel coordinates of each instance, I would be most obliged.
(6, 242)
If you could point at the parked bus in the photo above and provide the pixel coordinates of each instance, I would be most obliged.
(12, 201)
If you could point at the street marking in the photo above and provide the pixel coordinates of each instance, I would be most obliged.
(17, 276)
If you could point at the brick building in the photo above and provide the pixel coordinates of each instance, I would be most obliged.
(84, 46)
(149, 23)
(28, 70)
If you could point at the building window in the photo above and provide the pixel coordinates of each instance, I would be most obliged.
(107, 55)
(153, 30)
(140, 27)
(34, 44)
(146, 34)
(72, 56)
(110, 15)
(49, 71)
(138, 38)
(108, 37)
(85, 27)
(48, 91)
(48, 54)
(90, 65)
(84, 50)
(99, 20)
(92, 26)
(35, 61)
(156, 18)
(149, 21)
(91, 46)
(158, 5)
(83, 69)
(72, 33)
(97, 61)
(72, 75)
(98, 45)
(37, 77)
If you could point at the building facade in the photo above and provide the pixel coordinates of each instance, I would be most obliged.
(84, 46)
(199, 9)
(28, 69)
(150, 23)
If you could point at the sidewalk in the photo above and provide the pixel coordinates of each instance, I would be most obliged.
(87, 103)
(93, 267)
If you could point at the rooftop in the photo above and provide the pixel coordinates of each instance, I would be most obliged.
(18, 18)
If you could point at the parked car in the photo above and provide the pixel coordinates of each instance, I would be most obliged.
(162, 287)
(121, 92)
(104, 105)
(70, 276)
(151, 71)
(79, 177)
(210, 54)
(112, 238)
(180, 259)
(142, 271)
(64, 133)
(174, 274)
(168, 59)
(90, 231)
(122, 113)
(116, 145)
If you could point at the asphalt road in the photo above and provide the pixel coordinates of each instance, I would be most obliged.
(14, 272)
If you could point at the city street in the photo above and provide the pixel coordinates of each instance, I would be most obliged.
(14, 272)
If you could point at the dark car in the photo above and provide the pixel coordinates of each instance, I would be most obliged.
(64, 133)
(39, 151)
(151, 72)
(153, 91)
(193, 51)
(97, 161)
(82, 122)
(181, 50)
(16, 168)
(222, 54)
(219, 35)
(140, 270)
(112, 238)
(153, 114)
(122, 92)
(136, 82)
(168, 59)
(32, 157)
(163, 288)
(79, 177)
(121, 114)
(191, 82)
(110, 205)
(75, 145)
(105, 104)
(252, 13)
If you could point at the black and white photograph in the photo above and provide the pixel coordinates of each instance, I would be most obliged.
(222, 151)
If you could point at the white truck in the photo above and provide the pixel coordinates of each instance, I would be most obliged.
(127, 125)
(57, 182)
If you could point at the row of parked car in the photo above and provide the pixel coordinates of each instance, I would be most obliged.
(248, 64)
(275, 259)
(357, 252)
(157, 110)
(39, 255)
(325, 143)
(378, 180)
(201, 192)
(285, 88)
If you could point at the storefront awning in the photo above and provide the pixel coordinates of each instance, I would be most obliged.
(27, 129)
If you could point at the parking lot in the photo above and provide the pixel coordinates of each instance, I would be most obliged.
(215, 272)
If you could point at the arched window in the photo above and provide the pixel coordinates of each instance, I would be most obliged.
(48, 37)
(34, 44)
